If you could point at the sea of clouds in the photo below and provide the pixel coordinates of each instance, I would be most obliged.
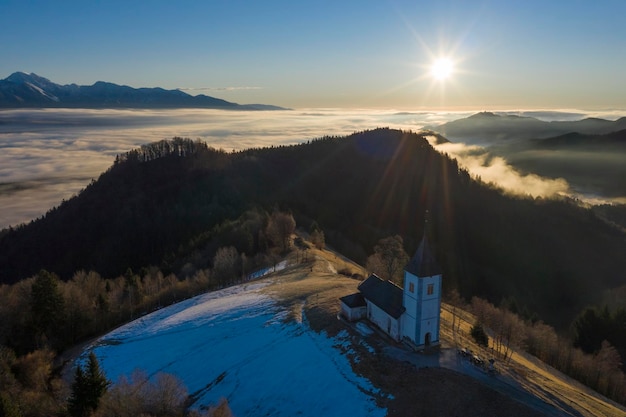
(47, 155)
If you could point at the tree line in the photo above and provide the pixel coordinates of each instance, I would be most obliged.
(600, 369)
(43, 315)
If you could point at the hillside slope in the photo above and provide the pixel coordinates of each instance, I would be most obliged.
(328, 366)
(159, 207)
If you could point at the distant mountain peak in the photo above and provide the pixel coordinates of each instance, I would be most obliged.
(486, 127)
(20, 76)
(483, 114)
(22, 90)
(32, 78)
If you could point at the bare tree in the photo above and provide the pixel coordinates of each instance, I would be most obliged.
(225, 265)
(389, 259)
(164, 395)
(280, 228)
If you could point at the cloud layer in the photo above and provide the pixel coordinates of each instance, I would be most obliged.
(496, 170)
(49, 155)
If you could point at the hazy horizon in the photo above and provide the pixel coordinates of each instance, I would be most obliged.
(50, 155)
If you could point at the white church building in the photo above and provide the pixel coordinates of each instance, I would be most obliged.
(410, 313)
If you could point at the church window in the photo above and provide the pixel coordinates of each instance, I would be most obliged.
(431, 289)
(411, 287)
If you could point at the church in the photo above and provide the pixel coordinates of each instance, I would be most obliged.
(408, 314)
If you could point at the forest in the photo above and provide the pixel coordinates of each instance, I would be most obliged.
(168, 205)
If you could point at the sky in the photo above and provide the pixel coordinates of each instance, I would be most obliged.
(332, 54)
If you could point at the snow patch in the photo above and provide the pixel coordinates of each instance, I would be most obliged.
(236, 343)
(266, 271)
(364, 329)
(43, 92)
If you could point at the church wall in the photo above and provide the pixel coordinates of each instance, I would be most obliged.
(353, 313)
(422, 309)
(432, 327)
(430, 309)
(383, 320)
(409, 327)
(410, 318)
(410, 304)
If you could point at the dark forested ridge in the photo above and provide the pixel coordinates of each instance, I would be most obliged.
(164, 203)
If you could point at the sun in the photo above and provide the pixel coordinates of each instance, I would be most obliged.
(441, 69)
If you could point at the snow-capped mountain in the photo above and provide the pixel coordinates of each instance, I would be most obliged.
(21, 90)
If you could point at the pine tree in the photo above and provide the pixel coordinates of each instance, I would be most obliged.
(479, 335)
(77, 406)
(88, 387)
(47, 305)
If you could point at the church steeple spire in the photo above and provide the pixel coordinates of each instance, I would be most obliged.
(423, 263)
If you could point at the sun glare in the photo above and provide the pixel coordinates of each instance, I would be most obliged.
(441, 69)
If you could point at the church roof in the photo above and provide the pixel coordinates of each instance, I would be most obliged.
(353, 300)
(423, 263)
(384, 294)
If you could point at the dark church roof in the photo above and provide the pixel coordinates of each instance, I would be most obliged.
(423, 263)
(353, 300)
(384, 294)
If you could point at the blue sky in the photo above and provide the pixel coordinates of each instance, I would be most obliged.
(359, 54)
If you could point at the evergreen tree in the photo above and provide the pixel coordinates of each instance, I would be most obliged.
(77, 406)
(88, 387)
(47, 305)
(479, 335)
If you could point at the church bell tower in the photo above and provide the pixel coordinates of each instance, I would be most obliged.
(422, 297)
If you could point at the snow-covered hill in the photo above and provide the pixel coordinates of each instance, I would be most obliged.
(238, 343)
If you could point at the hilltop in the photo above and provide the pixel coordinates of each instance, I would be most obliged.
(356, 367)
(21, 90)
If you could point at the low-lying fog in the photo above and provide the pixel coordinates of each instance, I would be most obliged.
(50, 155)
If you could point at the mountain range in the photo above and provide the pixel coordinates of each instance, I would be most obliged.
(487, 127)
(21, 90)
(590, 154)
